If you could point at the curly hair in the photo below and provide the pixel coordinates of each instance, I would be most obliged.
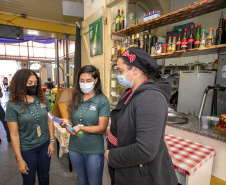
(77, 93)
(17, 88)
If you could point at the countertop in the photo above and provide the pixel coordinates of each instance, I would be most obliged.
(194, 125)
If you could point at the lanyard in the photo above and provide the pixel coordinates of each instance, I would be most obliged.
(82, 113)
(37, 113)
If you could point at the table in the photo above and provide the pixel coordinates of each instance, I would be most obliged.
(192, 161)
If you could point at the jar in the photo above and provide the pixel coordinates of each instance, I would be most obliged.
(159, 48)
(197, 67)
(164, 48)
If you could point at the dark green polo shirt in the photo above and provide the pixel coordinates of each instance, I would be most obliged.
(98, 106)
(27, 124)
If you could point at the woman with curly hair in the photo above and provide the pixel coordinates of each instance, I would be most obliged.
(89, 111)
(31, 130)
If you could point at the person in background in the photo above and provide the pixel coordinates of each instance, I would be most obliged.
(137, 153)
(2, 117)
(48, 84)
(89, 111)
(5, 83)
(31, 130)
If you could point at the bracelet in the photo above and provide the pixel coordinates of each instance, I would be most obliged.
(53, 138)
(52, 141)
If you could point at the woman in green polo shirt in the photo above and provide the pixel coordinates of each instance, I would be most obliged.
(31, 131)
(89, 112)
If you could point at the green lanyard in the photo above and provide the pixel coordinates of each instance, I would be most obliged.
(82, 113)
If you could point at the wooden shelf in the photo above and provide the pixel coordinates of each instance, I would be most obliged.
(193, 10)
(192, 52)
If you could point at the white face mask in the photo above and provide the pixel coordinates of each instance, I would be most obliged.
(86, 88)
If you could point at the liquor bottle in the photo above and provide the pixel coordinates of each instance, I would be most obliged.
(178, 43)
(169, 45)
(224, 33)
(132, 44)
(136, 20)
(118, 20)
(138, 40)
(122, 20)
(220, 30)
(191, 38)
(184, 43)
(210, 38)
(113, 26)
(174, 44)
(123, 46)
(113, 49)
(126, 44)
(118, 49)
(198, 36)
(149, 44)
(203, 39)
(144, 42)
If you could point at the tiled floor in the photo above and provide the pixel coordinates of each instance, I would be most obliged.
(10, 175)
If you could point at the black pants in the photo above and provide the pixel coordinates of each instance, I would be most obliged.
(2, 117)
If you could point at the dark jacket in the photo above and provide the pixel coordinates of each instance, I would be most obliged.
(142, 157)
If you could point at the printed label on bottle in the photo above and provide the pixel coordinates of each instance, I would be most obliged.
(113, 51)
(197, 42)
(173, 48)
(184, 43)
(178, 43)
(190, 40)
(117, 20)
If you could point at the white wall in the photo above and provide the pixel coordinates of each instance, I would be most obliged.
(90, 7)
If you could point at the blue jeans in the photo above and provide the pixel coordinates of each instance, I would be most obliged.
(88, 168)
(37, 161)
(2, 117)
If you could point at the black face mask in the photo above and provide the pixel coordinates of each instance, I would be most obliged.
(31, 90)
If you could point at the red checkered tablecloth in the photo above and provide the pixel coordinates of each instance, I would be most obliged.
(186, 155)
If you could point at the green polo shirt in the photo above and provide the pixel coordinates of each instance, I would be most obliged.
(98, 106)
(27, 123)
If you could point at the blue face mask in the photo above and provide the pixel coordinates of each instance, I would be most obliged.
(123, 82)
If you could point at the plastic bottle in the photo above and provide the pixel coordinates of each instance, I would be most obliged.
(203, 39)
(174, 44)
(169, 45)
(210, 38)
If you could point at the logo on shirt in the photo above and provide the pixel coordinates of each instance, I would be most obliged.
(94, 108)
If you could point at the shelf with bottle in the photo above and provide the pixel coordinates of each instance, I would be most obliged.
(192, 52)
(193, 10)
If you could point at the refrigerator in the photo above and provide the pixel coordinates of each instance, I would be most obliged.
(221, 80)
(192, 85)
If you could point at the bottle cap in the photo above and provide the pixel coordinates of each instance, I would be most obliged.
(180, 30)
(199, 25)
(170, 37)
(204, 31)
(192, 26)
(174, 37)
(211, 29)
(185, 29)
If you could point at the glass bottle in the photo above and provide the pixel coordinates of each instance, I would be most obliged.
(203, 39)
(184, 43)
(136, 20)
(118, 20)
(122, 20)
(132, 44)
(191, 38)
(144, 42)
(118, 49)
(169, 45)
(173, 48)
(220, 30)
(123, 48)
(178, 43)
(113, 49)
(138, 40)
(198, 36)
(113, 26)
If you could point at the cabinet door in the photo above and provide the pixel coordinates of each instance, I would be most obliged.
(161, 62)
(172, 62)
(185, 60)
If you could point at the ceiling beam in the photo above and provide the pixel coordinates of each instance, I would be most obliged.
(36, 24)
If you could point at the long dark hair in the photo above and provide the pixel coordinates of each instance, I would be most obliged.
(77, 93)
(17, 88)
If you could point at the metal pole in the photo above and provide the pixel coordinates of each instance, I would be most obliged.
(67, 62)
(77, 58)
(57, 61)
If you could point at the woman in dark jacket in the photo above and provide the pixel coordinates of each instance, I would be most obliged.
(137, 153)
